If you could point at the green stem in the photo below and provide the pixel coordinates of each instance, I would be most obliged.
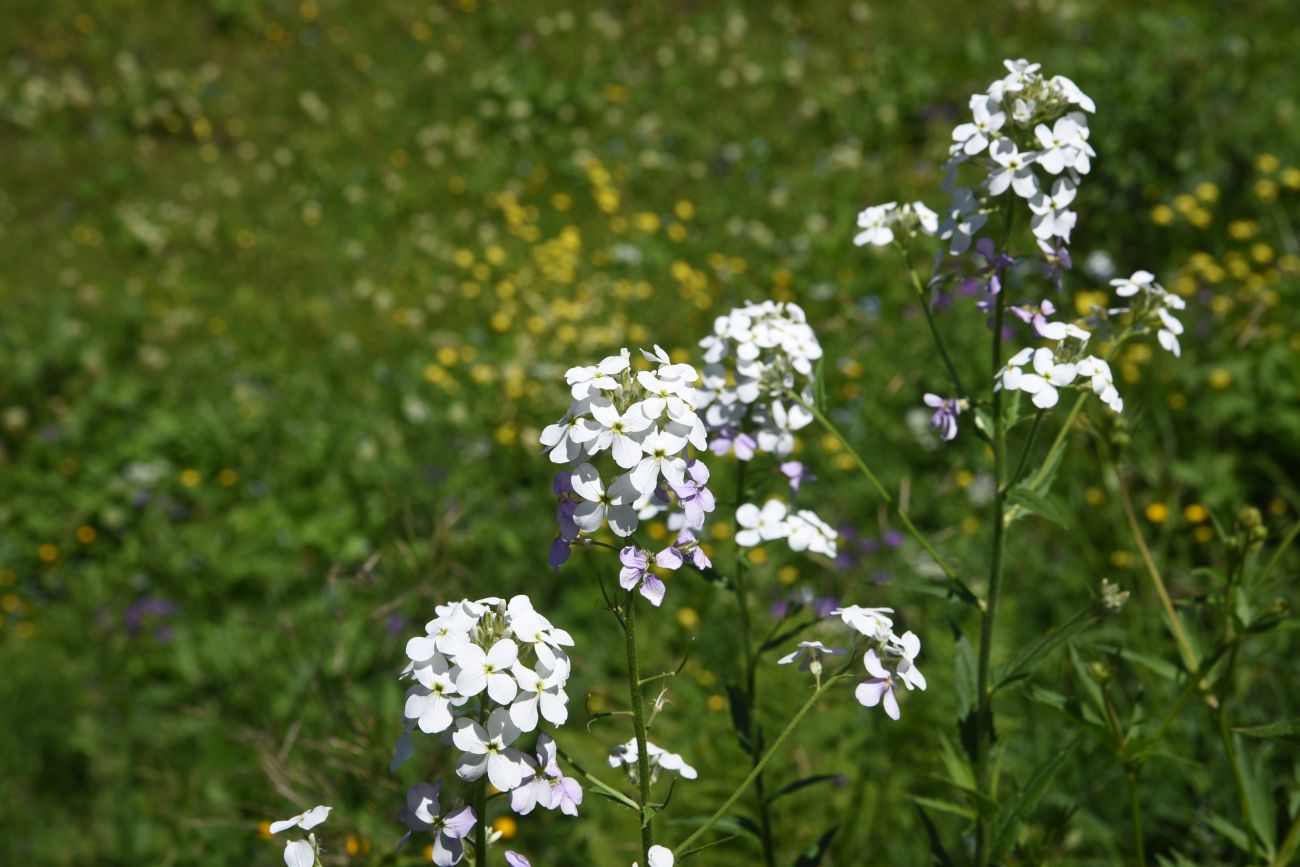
(1135, 814)
(1238, 775)
(988, 623)
(1029, 446)
(749, 693)
(1290, 843)
(1185, 648)
(1277, 555)
(758, 767)
(880, 489)
(934, 331)
(638, 725)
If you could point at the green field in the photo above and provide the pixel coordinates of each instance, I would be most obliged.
(289, 291)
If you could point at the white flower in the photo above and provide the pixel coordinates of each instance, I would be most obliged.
(625, 755)
(874, 222)
(1014, 170)
(1168, 335)
(761, 525)
(429, 703)
(962, 221)
(1048, 376)
(660, 458)
(299, 853)
(874, 623)
(1055, 141)
(1052, 217)
(606, 427)
(541, 689)
(1097, 371)
(659, 856)
(306, 821)
(1139, 282)
(971, 138)
(490, 751)
(601, 377)
(907, 648)
(528, 626)
(809, 655)
(807, 532)
(563, 440)
(477, 671)
(614, 504)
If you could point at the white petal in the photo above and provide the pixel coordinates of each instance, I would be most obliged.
(299, 854)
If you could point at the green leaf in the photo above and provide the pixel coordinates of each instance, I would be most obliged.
(1032, 655)
(1032, 503)
(1280, 730)
(1161, 667)
(941, 856)
(944, 807)
(796, 785)
(1230, 831)
(959, 770)
(967, 684)
(1024, 801)
(739, 715)
(812, 856)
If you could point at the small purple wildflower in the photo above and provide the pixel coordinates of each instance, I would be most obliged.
(729, 439)
(944, 420)
(696, 500)
(636, 572)
(797, 473)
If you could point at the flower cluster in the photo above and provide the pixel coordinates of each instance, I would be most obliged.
(890, 659)
(758, 376)
(658, 759)
(1154, 306)
(488, 671)
(643, 421)
(639, 565)
(881, 224)
(302, 853)
(802, 530)
(1029, 134)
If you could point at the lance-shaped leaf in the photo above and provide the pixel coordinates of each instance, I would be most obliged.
(1032, 654)
(1024, 801)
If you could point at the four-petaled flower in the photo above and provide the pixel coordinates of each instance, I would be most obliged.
(489, 751)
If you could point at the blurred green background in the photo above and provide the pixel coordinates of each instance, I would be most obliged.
(288, 292)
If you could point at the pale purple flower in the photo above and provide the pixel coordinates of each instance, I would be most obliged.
(536, 789)
(729, 439)
(423, 813)
(944, 420)
(514, 859)
(696, 500)
(879, 688)
(797, 473)
(566, 795)
(686, 545)
(636, 572)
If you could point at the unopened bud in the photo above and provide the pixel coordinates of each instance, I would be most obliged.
(1249, 518)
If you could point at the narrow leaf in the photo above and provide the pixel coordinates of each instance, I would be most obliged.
(1025, 800)
(1033, 654)
(796, 785)
(812, 856)
(967, 685)
(941, 856)
(1033, 503)
(1280, 730)
(944, 807)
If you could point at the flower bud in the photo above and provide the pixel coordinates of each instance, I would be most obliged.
(1249, 518)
